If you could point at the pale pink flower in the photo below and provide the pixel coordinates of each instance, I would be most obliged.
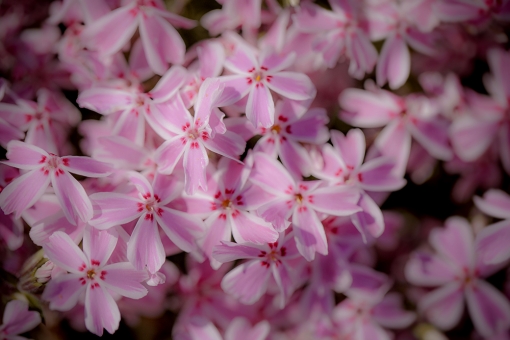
(292, 127)
(90, 274)
(46, 122)
(302, 202)
(18, 320)
(254, 75)
(458, 268)
(340, 32)
(249, 281)
(145, 249)
(132, 107)
(194, 134)
(403, 118)
(44, 168)
(162, 44)
(226, 206)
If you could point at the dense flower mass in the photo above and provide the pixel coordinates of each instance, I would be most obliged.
(248, 169)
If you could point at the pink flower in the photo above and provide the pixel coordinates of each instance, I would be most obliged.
(293, 127)
(162, 44)
(458, 268)
(202, 329)
(145, 248)
(342, 31)
(413, 116)
(89, 273)
(45, 168)
(18, 320)
(254, 75)
(249, 281)
(226, 205)
(194, 134)
(301, 201)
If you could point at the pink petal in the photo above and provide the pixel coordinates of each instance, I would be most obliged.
(295, 158)
(181, 228)
(444, 306)
(455, 242)
(489, 309)
(111, 209)
(105, 100)
(429, 270)
(389, 313)
(18, 319)
(62, 251)
(145, 249)
(241, 61)
(98, 245)
(362, 53)
(209, 92)
(432, 135)
(169, 84)
(247, 227)
(504, 146)
(394, 141)
(141, 183)
(174, 19)
(335, 200)
(72, 197)
(495, 203)
(86, 166)
(169, 153)
(276, 62)
(278, 183)
(211, 55)
(120, 151)
(313, 18)
(162, 44)
(247, 282)
(110, 33)
(23, 192)
(472, 137)
(43, 229)
(377, 175)
(195, 162)
(199, 328)
(228, 144)
(284, 283)
(277, 212)
(218, 229)
(171, 116)
(167, 188)
(292, 85)
(368, 109)
(9, 133)
(236, 87)
(240, 328)
(260, 106)
(370, 220)
(492, 245)
(394, 62)
(230, 251)
(311, 127)
(351, 146)
(309, 232)
(101, 311)
(64, 291)
(123, 279)
(498, 61)
(25, 156)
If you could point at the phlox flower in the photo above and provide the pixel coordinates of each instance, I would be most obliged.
(226, 206)
(249, 281)
(254, 75)
(458, 268)
(413, 116)
(148, 206)
(192, 135)
(302, 202)
(18, 320)
(161, 42)
(44, 168)
(90, 272)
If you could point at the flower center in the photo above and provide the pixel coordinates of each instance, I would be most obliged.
(91, 273)
(226, 204)
(299, 198)
(276, 129)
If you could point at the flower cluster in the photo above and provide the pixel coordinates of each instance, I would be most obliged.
(240, 178)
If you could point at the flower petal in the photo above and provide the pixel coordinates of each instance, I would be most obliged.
(169, 84)
(25, 156)
(169, 153)
(260, 106)
(64, 291)
(145, 249)
(124, 279)
(292, 85)
(247, 282)
(394, 63)
(72, 197)
(62, 251)
(98, 245)
(247, 227)
(444, 306)
(86, 166)
(18, 319)
(111, 209)
(309, 232)
(195, 162)
(101, 311)
(180, 227)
